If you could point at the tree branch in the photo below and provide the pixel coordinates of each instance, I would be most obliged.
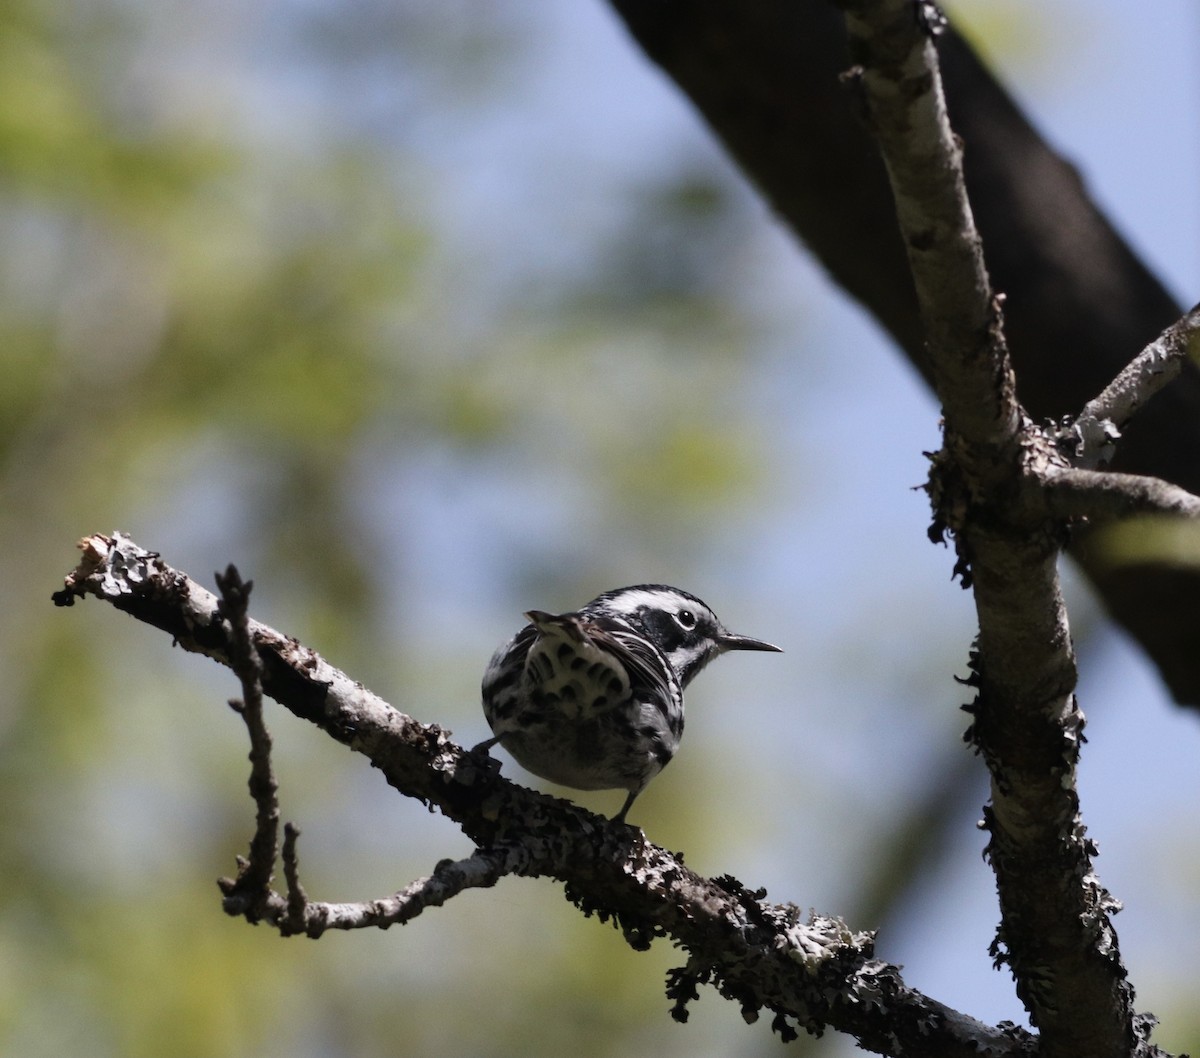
(250, 893)
(812, 973)
(960, 314)
(1104, 495)
(1096, 429)
(1055, 932)
(482, 869)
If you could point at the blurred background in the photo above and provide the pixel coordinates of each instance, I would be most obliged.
(426, 313)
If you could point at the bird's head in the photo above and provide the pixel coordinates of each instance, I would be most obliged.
(682, 626)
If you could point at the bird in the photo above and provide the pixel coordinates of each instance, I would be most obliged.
(593, 699)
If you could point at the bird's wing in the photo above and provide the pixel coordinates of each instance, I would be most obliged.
(651, 678)
(633, 659)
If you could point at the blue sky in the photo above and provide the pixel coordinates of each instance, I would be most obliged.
(786, 784)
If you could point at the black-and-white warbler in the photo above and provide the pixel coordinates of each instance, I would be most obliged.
(594, 699)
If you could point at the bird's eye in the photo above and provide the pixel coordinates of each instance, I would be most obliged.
(686, 618)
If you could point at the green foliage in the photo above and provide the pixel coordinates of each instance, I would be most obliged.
(219, 330)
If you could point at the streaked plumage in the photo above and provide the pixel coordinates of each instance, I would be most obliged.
(594, 699)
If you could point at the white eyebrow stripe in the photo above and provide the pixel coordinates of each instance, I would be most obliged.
(631, 602)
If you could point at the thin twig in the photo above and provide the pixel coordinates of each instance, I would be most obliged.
(483, 868)
(1095, 431)
(297, 898)
(249, 892)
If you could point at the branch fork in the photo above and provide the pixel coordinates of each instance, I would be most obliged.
(810, 971)
(1007, 490)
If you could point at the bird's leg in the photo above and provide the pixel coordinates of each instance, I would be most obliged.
(482, 749)
(620, 816)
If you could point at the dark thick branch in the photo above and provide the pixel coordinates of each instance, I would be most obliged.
(764, 74)
(812, 972)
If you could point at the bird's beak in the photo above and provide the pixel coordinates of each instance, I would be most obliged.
(729, 641)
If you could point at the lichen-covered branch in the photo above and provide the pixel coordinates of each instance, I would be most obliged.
(1095, 430)
(483, 868)
(1055, 931)
(810, 972)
